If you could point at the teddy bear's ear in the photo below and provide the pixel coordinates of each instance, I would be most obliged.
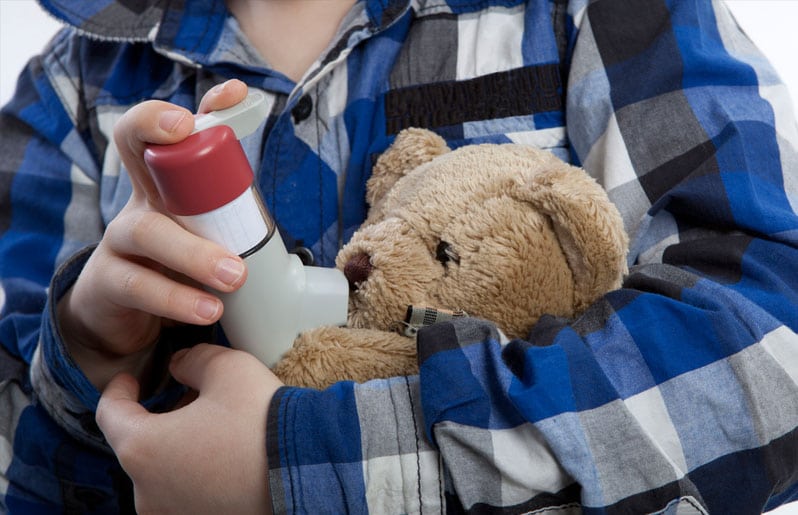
(411, 148)
(588, 225)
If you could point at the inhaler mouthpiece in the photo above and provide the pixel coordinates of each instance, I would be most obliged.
(207, 183)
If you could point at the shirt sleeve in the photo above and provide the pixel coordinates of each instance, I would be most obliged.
(47, 214)
(353, 448)
(678, 391)
(53, 175)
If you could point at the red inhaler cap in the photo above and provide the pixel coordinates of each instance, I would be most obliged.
(201, 173)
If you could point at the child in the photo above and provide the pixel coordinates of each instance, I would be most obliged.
(677, 392)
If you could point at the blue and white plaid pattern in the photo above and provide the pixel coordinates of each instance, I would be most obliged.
(677, 393)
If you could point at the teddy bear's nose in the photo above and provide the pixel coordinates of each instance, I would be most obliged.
(357, 269)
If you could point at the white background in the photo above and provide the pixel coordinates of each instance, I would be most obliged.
(24, 28)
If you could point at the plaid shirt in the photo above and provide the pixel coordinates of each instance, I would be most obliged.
(677, 393)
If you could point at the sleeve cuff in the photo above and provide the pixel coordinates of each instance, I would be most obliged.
(351, 446)
(60, 385)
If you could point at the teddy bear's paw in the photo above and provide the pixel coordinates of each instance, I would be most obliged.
(326, 355)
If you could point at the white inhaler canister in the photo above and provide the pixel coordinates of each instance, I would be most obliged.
(206, 182)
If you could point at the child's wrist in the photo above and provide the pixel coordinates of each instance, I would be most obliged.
(98, 364)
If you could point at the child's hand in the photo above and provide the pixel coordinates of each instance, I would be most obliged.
(206, 457)
(147, 271)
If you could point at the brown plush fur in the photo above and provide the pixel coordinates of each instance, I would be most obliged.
(533, 236)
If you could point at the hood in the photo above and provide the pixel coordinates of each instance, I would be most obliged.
(131, 20)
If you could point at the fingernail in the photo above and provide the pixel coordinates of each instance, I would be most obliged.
(178, 355)
(217, 90)
(169, 120)
(207, 308)
(229, 271)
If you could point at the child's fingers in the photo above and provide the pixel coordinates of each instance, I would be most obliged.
(119, 411)
(222, 96)
(163, 123)
(149, 122)
(198, 366)
(218, 372)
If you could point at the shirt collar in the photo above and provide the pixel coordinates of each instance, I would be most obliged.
(202, 33)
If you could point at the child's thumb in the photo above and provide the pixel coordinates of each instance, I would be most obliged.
(199, 367)
(118, 408)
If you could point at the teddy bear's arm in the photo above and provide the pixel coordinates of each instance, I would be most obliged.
(323, 356)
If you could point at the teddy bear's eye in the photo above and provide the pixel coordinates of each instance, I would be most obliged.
(445, 253)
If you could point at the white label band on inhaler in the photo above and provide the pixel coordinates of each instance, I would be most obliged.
(208, 185)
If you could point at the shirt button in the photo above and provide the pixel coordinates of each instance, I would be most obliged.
(302, 109)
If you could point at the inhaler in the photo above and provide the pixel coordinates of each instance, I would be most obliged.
(207, 184)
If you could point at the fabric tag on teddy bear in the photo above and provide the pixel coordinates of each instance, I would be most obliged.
(418, 317)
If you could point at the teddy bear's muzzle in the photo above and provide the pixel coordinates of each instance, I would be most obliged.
(357, 269)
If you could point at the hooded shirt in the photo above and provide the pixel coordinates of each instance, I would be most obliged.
(675, 393)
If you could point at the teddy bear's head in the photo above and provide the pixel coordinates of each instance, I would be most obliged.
(502, 232)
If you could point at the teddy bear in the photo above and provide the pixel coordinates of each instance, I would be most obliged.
(503, 232)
